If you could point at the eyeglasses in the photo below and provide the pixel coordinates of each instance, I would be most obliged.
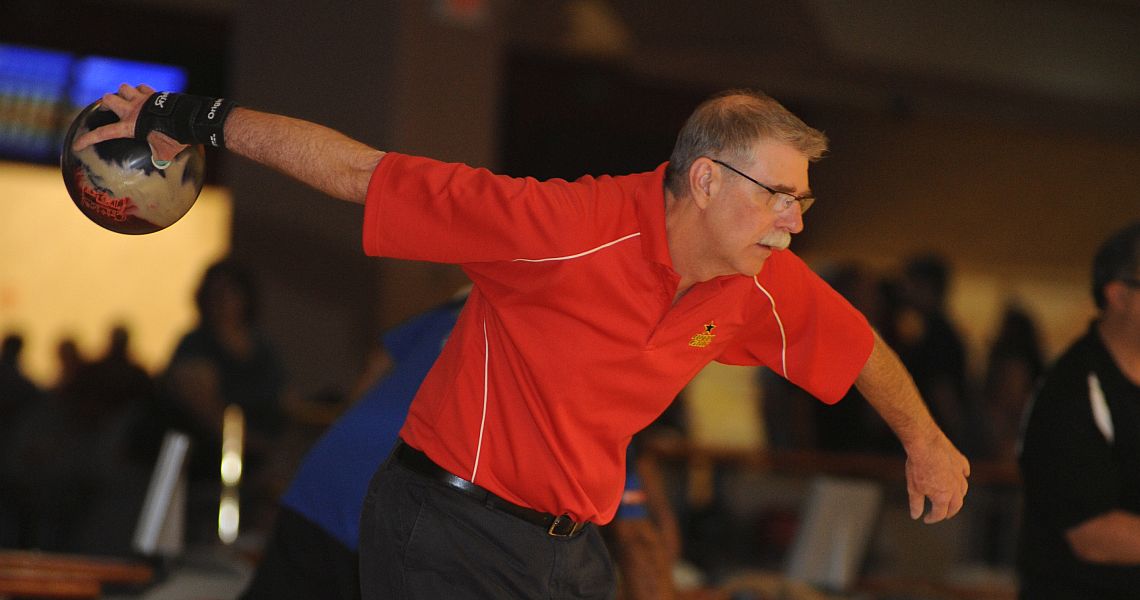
(781, 201)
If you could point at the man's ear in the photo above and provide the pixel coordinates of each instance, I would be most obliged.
(703, 181)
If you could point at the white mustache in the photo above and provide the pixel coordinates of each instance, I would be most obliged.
(779, 240)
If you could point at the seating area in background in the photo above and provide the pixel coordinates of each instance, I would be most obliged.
(825, 525)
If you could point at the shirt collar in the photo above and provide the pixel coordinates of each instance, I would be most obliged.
(650, 205)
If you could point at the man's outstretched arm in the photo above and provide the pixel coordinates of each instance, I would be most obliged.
(320, 157)
(935, 469)
(313, 154)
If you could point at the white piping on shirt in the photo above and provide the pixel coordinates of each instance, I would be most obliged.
(783, 337)
(486, 343)
(580, 254)
(483, 421)
(1101, 415)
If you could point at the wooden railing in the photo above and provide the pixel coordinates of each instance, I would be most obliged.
(48, 575)
(871, 466)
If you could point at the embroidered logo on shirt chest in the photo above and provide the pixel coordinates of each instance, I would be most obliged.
(704, 338)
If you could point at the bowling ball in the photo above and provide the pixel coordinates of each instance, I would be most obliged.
(116, 185)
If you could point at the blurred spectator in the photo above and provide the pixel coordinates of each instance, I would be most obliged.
(1080, 450)
(852, 425)
(796, 420)
(1012, 368)
(226, 360)
(18, 395)
(1014, 364)
(312, 550)
(644, 538)
(17, 392)
(114, 382)
(68, 458)
(931, 348)
(70, 361)
(111, 392)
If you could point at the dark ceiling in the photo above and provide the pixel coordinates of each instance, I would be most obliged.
(1073, 64)
(1062, 63)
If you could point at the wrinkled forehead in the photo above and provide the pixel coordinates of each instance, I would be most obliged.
(779, 164)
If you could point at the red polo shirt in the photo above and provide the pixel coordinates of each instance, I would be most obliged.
(570, 342)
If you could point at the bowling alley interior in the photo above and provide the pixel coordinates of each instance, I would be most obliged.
(979, 153)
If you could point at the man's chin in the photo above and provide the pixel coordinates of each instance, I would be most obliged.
(754, 266)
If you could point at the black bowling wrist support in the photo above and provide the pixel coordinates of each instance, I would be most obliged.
(187, 118)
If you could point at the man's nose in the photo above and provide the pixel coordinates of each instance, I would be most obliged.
(793, 219)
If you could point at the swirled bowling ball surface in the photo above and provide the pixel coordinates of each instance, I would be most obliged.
(117, 186)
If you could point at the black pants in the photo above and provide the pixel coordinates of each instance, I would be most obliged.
(421, 540)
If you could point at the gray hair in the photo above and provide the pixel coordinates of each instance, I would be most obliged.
(728, 124)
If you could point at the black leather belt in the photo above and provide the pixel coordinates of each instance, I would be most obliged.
(418, 462)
